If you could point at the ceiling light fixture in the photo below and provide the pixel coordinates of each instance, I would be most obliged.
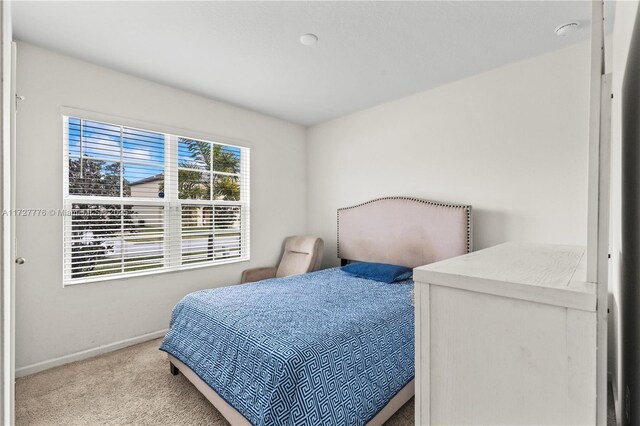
(566, 29)
(308, 39)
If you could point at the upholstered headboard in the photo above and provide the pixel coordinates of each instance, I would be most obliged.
(403, 231)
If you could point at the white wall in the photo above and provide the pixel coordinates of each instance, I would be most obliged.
(625, 15)
(52, 321)
(512, 142)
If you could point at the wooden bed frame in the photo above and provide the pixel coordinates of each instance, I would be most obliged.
(397, 230)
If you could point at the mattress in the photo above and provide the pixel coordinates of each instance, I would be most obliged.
(319, 348)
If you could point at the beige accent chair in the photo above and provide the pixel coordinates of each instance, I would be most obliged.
(301, 255)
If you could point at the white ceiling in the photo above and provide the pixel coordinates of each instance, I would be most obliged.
(248, 53)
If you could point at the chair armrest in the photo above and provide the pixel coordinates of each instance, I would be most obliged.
(257, 274)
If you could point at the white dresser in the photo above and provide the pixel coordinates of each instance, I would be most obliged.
(506, 335)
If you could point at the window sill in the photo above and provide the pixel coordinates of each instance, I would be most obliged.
(101, 278)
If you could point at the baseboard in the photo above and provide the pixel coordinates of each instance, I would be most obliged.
(89, 353)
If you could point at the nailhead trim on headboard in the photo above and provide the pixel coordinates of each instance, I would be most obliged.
(417, 200)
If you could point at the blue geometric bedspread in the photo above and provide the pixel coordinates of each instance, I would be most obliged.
(324, 348)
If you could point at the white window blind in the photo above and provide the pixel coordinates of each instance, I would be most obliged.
(140, 202)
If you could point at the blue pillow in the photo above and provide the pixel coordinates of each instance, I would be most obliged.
(378, 271)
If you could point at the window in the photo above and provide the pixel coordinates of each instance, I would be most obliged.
(139, 202)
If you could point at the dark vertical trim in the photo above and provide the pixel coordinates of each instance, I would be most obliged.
(630, 241)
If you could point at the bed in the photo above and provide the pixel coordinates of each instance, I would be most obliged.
(324, 347)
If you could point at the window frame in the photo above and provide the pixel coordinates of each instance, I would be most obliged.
(171, 203)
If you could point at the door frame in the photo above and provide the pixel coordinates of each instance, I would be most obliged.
(599, 188)
(7, 141)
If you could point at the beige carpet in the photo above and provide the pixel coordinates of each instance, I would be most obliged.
(131, 386)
